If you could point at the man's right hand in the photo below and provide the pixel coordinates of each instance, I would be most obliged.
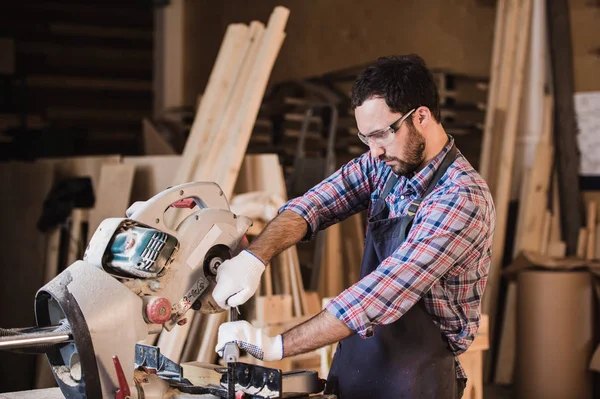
(237, 279)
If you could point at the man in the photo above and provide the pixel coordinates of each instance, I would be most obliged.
(426, 258)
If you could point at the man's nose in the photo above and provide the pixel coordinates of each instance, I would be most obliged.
(376, 151)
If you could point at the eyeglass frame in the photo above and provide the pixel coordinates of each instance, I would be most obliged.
(392, 129)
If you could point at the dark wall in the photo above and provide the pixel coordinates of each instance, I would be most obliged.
(82, 68)
(327, 35)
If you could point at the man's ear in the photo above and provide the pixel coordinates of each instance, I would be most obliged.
(423, 117)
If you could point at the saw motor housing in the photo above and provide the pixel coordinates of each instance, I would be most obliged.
(139, 274)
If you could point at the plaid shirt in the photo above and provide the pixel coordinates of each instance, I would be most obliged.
(444, 260)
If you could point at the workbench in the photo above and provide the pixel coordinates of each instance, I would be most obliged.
(54, 393)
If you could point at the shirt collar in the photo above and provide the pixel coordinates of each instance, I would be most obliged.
(420, 180)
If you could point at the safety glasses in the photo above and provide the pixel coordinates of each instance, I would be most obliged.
(383, 137)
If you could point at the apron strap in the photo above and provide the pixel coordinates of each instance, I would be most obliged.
(391, 182)
(446, 162)
(414, 205)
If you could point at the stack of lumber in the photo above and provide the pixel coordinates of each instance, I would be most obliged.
(525, 99)
(511, 38)
(340, 265)
(215, 148)
(262, 174)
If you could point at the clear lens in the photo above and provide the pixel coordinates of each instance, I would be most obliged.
(380, 138)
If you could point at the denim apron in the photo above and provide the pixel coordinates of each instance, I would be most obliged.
(409, 358)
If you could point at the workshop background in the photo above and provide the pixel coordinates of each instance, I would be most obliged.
(101, 102)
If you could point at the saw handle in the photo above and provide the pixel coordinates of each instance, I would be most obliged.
(152, 211)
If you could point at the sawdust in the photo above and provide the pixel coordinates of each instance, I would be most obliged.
(64, 373)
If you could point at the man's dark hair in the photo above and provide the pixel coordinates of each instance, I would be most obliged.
(404, 82)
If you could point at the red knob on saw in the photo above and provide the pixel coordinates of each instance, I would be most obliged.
(158, 310)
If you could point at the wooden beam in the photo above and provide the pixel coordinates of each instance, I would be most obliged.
(502, 187)
(154, 142)
(212, 104)
(495, 85)
(565, 127)
(591, 231)
(258, 79)
(496, 116)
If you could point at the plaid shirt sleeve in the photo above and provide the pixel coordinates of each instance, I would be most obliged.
(341, 195)
(445, 231)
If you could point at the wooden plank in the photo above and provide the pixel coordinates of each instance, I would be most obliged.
(472, 361)
(154, 143)
(152, 175)
(557, 249)
(52, 253)
(326, 353)
(547, 224)
(224, 127)
(263, 173)
(501, 23)
(313, 303)
(565, 126)
(496, 116)
(597, 253)
(532, 210)
(258, 78)
(171, 342)
(555, 229)
(202, 158)
(170, 32)
(353, 245)
(76, 245)
(502, 193)
(267, 281)
(591, 231)
(112, 196)
(296, 282)
(505, 364)
(219, 85)
(333, 261)
(523, 197)
(273, 309)
(89, 166)
(209, 338)
(581, 243)
(192, 346)
(530, 235)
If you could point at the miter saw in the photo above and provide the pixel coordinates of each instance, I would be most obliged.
(140, 275)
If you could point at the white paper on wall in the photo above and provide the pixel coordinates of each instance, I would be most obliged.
(587, 113)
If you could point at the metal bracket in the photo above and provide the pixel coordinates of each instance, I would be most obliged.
(149, 357)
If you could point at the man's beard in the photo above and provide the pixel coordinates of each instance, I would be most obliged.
(413, 153)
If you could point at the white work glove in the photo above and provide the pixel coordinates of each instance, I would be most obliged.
(250, 339)
(237, 279)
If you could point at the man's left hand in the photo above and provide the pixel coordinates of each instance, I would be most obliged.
(250, 339)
